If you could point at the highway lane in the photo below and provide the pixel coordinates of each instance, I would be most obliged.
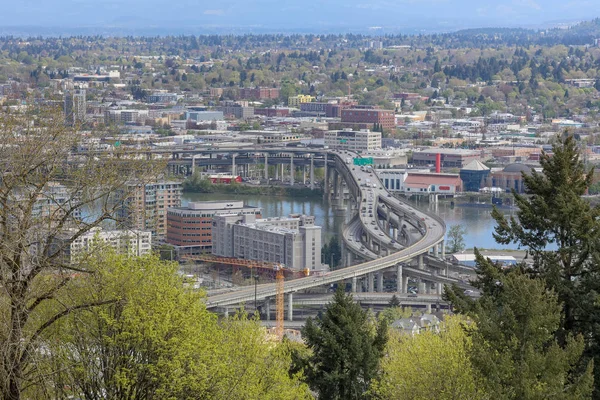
(432, 225)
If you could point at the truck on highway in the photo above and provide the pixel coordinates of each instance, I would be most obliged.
(348, 160)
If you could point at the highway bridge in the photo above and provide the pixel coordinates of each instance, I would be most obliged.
(385, 235)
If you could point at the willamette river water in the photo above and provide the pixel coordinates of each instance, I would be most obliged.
(477, 221)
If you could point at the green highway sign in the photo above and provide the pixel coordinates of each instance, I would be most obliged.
(363, 161)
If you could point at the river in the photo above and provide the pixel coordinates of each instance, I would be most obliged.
(477, 221)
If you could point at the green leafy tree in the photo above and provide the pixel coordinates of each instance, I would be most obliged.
(554, 214)
(514, 346)
(346, 349)
(158, 341)
(33, 215)
(429, 365)
(456, 238)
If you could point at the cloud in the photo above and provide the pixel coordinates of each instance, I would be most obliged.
(214, 12)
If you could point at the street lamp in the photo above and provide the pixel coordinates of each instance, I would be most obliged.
(255, 276)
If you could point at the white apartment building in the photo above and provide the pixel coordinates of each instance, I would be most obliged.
(130, 242)
(294, 241)
(359, 141)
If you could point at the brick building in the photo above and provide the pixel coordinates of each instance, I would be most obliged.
(366, 118)
(272, 112)
(189, 228)
(259, 93)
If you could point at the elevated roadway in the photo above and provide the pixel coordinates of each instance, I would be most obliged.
(366, 189)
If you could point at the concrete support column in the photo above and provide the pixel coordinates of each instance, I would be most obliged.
(399, 279)
(267, 167)
(370, 282)
(420, 261)
(193, 164)
(422, 288)
(267, 307)
(290, 307)
(429, 308)
(380, 282)
(435, 251)
(443, 249)
(349, 258)
(233, 164)
(304, 175)
(226, 312)
(326, 176)
(292, 170)
(354, 284)
(405, 284)
(395, 234)
(312, 172)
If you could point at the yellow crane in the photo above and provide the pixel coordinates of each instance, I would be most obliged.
(279, 269)
(279, 305)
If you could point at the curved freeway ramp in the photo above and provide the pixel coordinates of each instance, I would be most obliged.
(433, 233)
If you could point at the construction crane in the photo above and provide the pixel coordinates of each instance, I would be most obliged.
(279, 282)
(279, 270)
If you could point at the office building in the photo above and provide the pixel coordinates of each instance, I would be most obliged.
(259, 93)
(125, 116)
(367, 118)
(359, 141)
(204, 116)
(129, 242)
(189, 228)
(162, 97)
(75, 106)
(145, 205)
(238, 111)
(295, 101)
(294, 241)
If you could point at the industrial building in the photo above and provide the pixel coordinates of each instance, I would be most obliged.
(450, 158)
(419, 182)
(189, 228)
(294, 241)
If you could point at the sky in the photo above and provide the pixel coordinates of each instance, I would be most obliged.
(295, 15)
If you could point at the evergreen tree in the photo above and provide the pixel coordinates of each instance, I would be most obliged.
(554, 214)
(394, 301)
(514, 349)
(346, 350)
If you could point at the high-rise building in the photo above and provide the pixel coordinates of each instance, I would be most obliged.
(145, 205)
(189, 228)
(294, 241)
(75, 106)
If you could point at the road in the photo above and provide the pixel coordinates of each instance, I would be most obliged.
(432, 226)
